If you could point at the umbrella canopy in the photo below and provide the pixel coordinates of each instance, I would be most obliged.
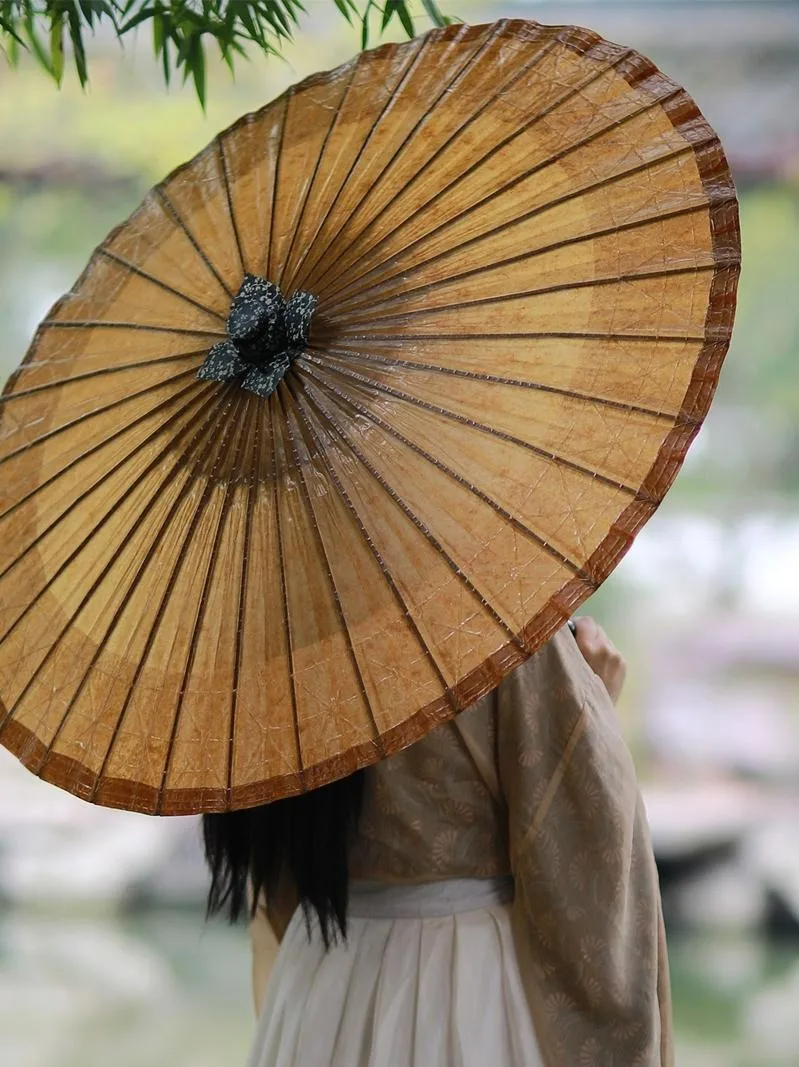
(353, 412)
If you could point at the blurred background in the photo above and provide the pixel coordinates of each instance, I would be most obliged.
(104, 954)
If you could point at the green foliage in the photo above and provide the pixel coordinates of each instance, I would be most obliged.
(181, 29)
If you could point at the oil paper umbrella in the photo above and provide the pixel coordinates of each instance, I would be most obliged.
(353, 412)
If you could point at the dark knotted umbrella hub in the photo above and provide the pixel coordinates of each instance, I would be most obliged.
(266, 333)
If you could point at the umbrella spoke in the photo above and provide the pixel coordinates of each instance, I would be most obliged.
(409, 398)
(252, 491)
(305, 262)
(312, 414)
(566, 335)
(532, 535)
(88, 415)
(367, 359)
(331, 291)
(223, 170)
(286, 264)
(278, 472)
(363, 306)
(425, 530)
(270, 267)
(323, 258)
(132, 268)
(96, 584)
(235, 428)
(98, 372)
(102, 324)
(299, 468)
(173, 212)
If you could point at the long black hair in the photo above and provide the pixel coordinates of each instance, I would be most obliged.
(303, 838)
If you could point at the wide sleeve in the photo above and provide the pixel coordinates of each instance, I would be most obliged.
(587, 918)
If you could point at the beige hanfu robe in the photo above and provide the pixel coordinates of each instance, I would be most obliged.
(535, 780)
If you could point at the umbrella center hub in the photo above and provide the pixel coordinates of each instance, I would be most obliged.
(266, 333)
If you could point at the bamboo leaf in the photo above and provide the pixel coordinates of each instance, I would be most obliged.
(95, 10)
(345, 9)
(434, 13)
(57, 45)
(198, 69)
(180, 28)
(76, 37)
(365, 23)
(14, 40)
(159, 33)
(12, 47)
(165, 62)
(141, 16)
(276, 17)
(247, 22)
(404, 15)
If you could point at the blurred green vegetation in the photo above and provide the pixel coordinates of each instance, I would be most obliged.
(128, 123)
(55, 34)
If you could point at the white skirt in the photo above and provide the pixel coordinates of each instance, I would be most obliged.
(428, 977)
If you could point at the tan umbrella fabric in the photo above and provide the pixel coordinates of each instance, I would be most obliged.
(510, 255)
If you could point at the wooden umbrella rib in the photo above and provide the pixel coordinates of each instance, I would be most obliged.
(73, 463)
(439, 465)
(328, 293)
(252, 493)
(525, 294)
(362, 306)
(369, 359)
(447, 88)
(94, 586)
(462, 419)
(550, 335)
(145, 327)
(284, 592)
(524, 217)
(110, 629)
(210, 443)
(229, 203)
(132, 268)
(314, 175)
(320, 541)
(319, 538)
(98, 373)
(315, 280)
(291, 382)
(234, 430)
(289, 96)
(428, 534)
(95, 529)
(351, 280)
(170, 208)
(87, 415)
(299, 273)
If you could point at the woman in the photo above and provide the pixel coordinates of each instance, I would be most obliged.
(495, 882)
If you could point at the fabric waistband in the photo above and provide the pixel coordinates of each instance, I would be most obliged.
(381, 900)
